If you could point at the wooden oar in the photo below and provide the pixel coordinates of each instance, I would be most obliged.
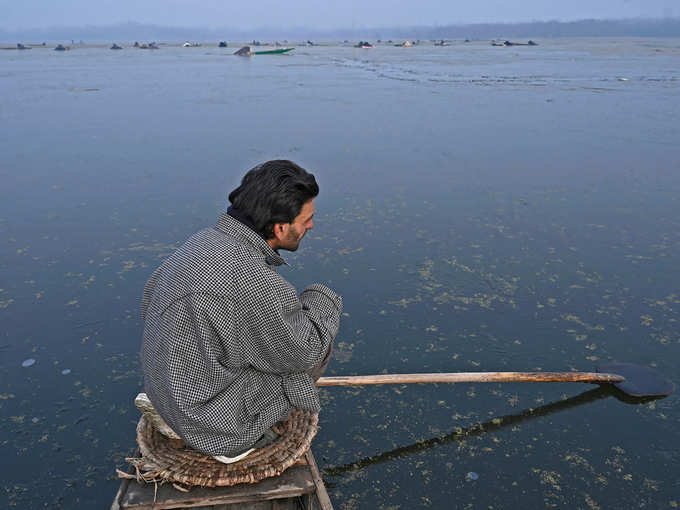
(466, 377)
(633, 380)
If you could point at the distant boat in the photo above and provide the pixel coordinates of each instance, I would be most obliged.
(191, 45)
(116, 47)
(18, 47)
(510, 43)
(223, 44)
(442, 43)
(60, 47)
(363, 44)
(150, 46)
(277, 51)
(405, 44)
(245, 51)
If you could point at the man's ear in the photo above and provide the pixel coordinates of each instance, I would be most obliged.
(279, 230)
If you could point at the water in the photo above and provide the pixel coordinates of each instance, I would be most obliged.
(481, 209)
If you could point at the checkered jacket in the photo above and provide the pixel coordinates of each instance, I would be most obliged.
(227, 340)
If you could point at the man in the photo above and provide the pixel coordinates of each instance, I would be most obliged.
(229, 347)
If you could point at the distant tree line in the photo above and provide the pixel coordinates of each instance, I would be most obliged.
(669, 27)
(582, 28)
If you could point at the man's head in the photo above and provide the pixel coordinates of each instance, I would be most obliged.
(277, 198)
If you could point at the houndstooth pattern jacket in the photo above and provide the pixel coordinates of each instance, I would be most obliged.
(227, 340)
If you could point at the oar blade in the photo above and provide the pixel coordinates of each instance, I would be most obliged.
(640, 381)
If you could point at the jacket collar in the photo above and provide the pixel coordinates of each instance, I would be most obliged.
(235, 228)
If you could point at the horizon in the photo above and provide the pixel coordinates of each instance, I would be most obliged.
(308, 14)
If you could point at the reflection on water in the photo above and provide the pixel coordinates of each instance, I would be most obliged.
(462, 434)
(481, 209)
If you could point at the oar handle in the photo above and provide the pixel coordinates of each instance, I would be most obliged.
(459, 377)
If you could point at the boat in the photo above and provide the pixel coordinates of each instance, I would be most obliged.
(165, 472)
(405, 44)
(363, 44)
(277, 51)
(442, 43)
(188, 44)
(18, 47)
(245, 51)
(60, 47)
(300, 486)
(510, 43)
(223, 44)
(116, 47)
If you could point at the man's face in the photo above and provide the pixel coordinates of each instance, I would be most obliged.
(293, 232)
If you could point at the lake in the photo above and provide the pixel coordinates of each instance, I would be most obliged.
(481, 209)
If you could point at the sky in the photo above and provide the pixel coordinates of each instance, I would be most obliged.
(318, 14)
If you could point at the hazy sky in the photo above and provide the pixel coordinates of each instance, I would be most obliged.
(317, 13)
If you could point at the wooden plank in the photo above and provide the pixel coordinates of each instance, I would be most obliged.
(295, 481)
(274, 504)
(123, 486)
(262, 505)
(285, 504)
(121, 490)
(321, 493)
(308, 502)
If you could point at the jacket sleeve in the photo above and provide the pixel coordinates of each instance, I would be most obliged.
(288, 333)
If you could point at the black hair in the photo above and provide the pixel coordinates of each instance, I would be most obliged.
(273, 192)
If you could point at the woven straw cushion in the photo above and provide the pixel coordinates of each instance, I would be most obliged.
(171, 460)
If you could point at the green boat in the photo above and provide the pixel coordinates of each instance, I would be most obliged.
(272, 52)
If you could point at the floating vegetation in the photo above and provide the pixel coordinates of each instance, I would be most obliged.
(342, 352)
(496, 280)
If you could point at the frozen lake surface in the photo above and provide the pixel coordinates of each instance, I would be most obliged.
(481, 209)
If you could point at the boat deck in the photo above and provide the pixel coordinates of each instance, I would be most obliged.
(299, 488)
